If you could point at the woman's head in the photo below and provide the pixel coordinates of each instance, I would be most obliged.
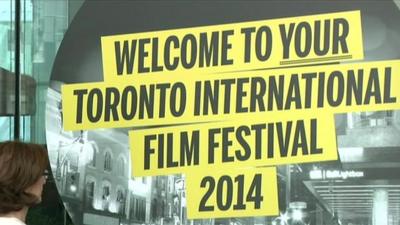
(21, 175)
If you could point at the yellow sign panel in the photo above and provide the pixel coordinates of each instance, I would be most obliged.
(165, 100)
(232, 193)
(241, 46)
(228, 145)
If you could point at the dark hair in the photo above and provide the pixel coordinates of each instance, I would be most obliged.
(21, 166)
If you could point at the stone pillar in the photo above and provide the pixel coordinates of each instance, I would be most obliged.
(380, 207)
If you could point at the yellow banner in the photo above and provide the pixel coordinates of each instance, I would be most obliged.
(162, 100)
(222, 146)
(232, 193)
(303, 40)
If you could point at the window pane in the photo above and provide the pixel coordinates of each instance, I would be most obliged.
(7, 37)
(7, 93)
(6, 124)
(42, 29)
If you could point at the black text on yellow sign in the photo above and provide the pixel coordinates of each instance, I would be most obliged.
(226, 145)
(157, 100)
(239, 46)
(232, 193)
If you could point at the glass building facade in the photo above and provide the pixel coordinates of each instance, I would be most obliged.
(42, 25)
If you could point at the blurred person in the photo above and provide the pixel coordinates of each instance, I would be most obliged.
(22, 176)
